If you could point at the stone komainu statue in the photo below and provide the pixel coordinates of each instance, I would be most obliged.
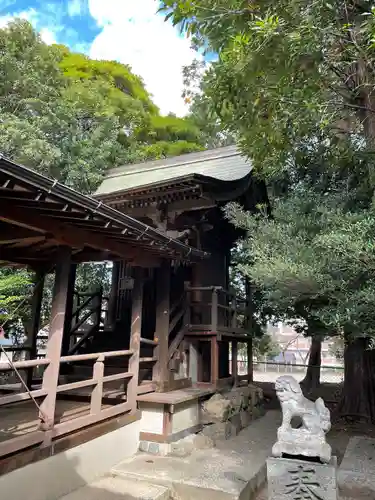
(309, 440)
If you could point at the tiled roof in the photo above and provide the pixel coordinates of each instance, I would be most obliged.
(223, 164)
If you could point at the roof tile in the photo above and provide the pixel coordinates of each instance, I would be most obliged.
(225, 164)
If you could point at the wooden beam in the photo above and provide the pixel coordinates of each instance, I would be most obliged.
(51, 373)
(66, 234)
(32, 242)
(163, 283)
(10, 233)
(135, 336)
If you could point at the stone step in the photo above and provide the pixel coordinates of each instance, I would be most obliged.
(118, 488)
(356, 474)
(233, 470)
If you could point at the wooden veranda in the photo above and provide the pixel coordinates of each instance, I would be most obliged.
(50, 228)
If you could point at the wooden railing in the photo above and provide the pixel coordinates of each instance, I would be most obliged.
(220, 311)
(48, 428)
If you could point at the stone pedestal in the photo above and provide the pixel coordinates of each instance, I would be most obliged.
(303, 443)
(290, 479)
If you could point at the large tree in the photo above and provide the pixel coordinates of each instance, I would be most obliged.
(285, 70)
(295, 82)
(72, 118)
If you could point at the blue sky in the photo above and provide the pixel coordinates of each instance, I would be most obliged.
(129, 31)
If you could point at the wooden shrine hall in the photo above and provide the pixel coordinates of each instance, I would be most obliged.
(183, 197)
(170, 325)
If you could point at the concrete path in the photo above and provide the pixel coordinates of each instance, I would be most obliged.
(113, 488)
(233, 470)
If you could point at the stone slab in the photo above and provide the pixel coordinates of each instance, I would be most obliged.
(356, 474)
(231, 471)
(115, 488)
(290, 479)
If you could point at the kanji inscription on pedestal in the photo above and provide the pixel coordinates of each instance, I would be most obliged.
(303, 484)
(290, 479)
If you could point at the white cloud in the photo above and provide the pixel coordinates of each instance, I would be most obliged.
(75, 8)
(134, 34)
(28, 15)
(48, 36)
(4, 20)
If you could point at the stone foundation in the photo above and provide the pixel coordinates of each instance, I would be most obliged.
(194, 425)
(225, 414)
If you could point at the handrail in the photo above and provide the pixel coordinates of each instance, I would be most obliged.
(95, 356)
(16, 348)
(227, 310)
(29, 363)
(82, 340)
(81, 321)
(203, 288)
(83, 305)
(149, 342)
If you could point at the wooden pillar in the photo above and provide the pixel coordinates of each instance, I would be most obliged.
(249, 345)
(161, 371)
(235, 361)
(135, 335)
(214, 360)
(112, 303)
(56, 330)
(214, 311)
(36, 306)
(69, 310)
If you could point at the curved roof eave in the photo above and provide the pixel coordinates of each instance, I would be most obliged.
(222, 165)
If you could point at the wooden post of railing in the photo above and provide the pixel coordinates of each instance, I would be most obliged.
(249, 327)
(112, 302)
(187, 314)
(97, 306)
(214, 339)
(234, 312)
(36, 306)
(160, 371)
(235, 362)
(214, 310)
(97, 392)
(250, 360)
(68, 316)
(214, 360)
(51, 373)
(135, 336)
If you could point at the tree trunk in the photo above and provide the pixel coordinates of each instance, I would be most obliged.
(358, 395)
(312, 377)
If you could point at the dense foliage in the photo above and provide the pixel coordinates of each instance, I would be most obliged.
(294, 82)
(72, 118)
